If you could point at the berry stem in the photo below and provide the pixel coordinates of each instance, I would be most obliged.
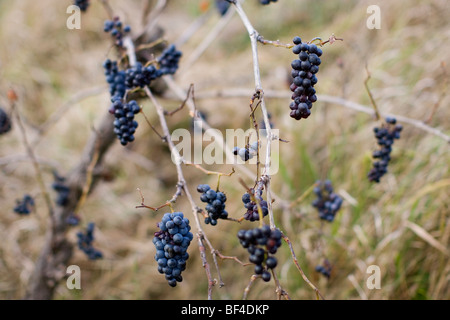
(248, 287)
(294, 257)
(372, 100)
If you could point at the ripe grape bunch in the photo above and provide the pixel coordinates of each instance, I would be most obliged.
(248, 152)
(85, 240)
(252, 213)
(5, 122)
(139, 76)
(327, 202)
(82, 4)
(304, 75)
(261, 244)
(171, 243)
(215, 203)
(124, 124)
(117, 30)
(169, 59)
(385, 138)
(116, 79)
(324, 269)
(24, 206)
(62, 190)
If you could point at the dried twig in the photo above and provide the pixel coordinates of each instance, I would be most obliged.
(318, 294)
(284, 94)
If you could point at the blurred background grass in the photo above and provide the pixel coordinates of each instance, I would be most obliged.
(47, 65)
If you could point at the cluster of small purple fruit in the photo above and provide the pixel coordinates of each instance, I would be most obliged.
(140, 76)
(117, 30)
(324, 270)
(82, 4)
(124, 124)
(169, 59)
(261, 244)
(24, 206)
(171, 243)
(215, 203)
(385, 138)
(61, 189)
(252, 213)
(115, 78)
(304, 75)
(85, 240)
(5, 122)
(327, 202)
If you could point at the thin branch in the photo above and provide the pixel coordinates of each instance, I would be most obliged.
(151, 126)
(318, 294)
(279, 290)
(248, 287)
(282, 94)
(205, 264)
(34, 161)
(143, 205)
(253, 34)
(189, 93)
(208, 39)
(208, 172)
(372, 100)
(303, 196)
(178, 160)
(61, 111)
(89, 179)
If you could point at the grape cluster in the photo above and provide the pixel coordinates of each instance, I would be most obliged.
(115, 78)
(124, 124)
(82, 4)
(246, 153)
(261, 244)
(140, 76)
(304, 74)
(25, 205)
(251, 206)
(266, 2)
(222, 6)
(327, 202)
(169, 59)
(171, 243)
(324, 270)
(5, 122)
(85, 240)
(215, 203)
(117, 30)
(62, 190)
(385, 138)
